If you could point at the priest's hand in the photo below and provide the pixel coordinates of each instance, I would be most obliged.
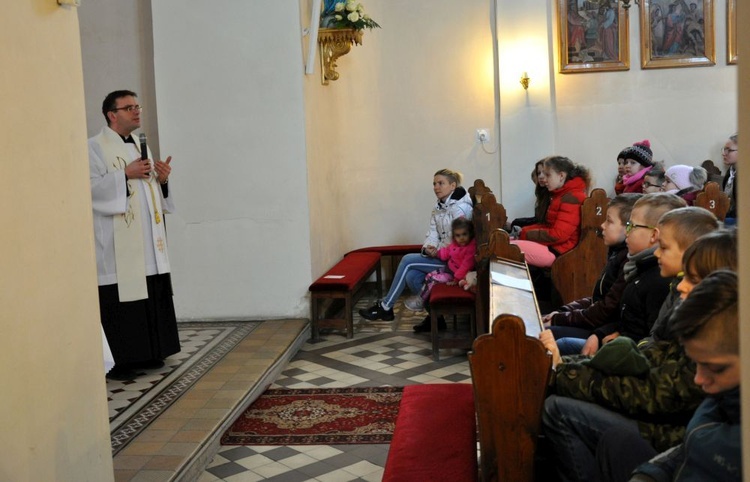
(138, 169)
(162, 170)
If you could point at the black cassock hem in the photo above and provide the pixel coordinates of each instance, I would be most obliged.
(140, 330)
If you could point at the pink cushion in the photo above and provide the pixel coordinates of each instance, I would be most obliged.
(395, 250)
(435, 435)
(442, 293)
(353, 268)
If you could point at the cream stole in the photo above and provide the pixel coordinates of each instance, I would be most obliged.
(128, 227)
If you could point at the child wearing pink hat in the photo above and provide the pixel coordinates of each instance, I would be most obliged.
(638, 162)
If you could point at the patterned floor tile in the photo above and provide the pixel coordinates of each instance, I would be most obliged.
(381, 353)
(134, 404)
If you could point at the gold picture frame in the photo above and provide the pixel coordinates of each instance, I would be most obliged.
(731, 32)
(593, 37)
(675, 34)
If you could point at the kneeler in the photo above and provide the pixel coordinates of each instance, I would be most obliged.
(435, 435)
(510, 372)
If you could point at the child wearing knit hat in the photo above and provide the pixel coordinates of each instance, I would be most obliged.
(638, 162)
(685, 181)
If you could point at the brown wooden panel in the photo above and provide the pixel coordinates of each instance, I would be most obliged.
(713, 199)
(510, 372)
(478, 190)
(488, 216)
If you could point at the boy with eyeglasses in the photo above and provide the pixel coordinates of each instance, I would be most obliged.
(654, 180)
(573, 323)
(645, 288)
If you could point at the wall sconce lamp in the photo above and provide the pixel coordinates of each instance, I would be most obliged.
(525, 81)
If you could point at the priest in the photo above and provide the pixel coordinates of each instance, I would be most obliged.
(130, 194)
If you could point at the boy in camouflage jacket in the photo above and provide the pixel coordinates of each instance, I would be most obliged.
(657, 401)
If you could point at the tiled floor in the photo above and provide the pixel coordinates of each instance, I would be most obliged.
(223, 368)
(376, 356)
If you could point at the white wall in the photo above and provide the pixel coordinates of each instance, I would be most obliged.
(117, 54)
(407, 103)
(686, 113)
(53, 408)
(278, 176)
(229, 88)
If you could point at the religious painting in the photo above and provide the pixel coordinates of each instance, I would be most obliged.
(593, 36)
(731, 31)
(677, 33)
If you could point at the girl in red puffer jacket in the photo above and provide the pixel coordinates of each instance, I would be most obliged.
(543, 242)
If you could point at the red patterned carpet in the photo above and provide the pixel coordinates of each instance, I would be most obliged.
(318, 416)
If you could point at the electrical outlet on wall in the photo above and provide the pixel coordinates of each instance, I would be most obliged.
(483, 135)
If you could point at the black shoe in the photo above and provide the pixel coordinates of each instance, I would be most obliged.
(148, 364)
(376, 312)
(121, 373)
(426, 325)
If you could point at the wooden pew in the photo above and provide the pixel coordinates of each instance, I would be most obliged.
(499, 246)
(510, 371)
(446, 300)
(488, 216)
(714, 173)
(343, 282)
(477, 190)
(713, 199)
(575, 273)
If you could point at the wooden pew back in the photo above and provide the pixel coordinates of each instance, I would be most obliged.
(713, 199)
(510, 372)
(575, 273)
(488, 216)
(477, 191)
(714, 173)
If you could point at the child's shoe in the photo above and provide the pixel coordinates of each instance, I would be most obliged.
(414, 303)
(376, 312)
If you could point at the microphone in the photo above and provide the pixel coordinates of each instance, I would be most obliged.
(144, 150)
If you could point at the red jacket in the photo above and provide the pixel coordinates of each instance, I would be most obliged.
(460, 258)
(562, 228)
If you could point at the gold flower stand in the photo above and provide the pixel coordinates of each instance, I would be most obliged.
(333, 43)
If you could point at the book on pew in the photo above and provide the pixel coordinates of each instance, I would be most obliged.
(512, 292)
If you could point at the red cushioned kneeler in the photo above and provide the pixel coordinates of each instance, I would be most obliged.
(435, 435)
(349, 275)
(395, 250)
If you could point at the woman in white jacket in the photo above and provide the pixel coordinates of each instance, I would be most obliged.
(453, 202)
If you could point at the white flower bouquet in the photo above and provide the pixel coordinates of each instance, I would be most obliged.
(346, 14)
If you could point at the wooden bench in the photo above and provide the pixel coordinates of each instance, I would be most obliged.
(510, 370)
(713, 199)
(498, 247)
(453, 300)
(435, 435)
(575, 273)
(342, 282)
(393, 253)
